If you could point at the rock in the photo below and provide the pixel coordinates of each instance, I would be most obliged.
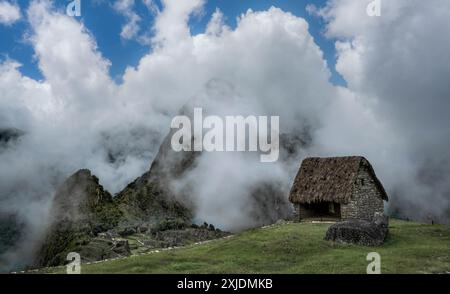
(122, 248)
(128, 231)
(381, 220)
(81, 210)
(280, 222)
(148, 199)
(359, 232)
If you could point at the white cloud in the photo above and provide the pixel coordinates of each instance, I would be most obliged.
(151, 6)
(22, 97)
(216, 25)
(9, 12)
(170, 26)
(131, 29)
(70, 119)
(400, 61)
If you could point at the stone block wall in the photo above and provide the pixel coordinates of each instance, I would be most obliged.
(366, 200)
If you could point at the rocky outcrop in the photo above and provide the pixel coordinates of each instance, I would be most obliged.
(81, 209)
(359, 232)
(146, 200)
(83, 212)
(149, 198)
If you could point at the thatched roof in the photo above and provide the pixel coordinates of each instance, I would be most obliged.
(329, 179)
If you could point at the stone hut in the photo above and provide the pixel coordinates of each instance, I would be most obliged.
(337, 188)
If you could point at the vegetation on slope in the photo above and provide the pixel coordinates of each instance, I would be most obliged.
(10, 231)
(81, 209)
(295, 248)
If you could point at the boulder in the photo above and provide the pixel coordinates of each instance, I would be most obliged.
(359, 232)
(381, 220)
(122, 248)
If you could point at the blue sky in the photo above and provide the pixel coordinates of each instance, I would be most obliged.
(105, 24)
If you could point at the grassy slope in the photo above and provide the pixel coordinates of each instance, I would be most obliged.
(296, 248)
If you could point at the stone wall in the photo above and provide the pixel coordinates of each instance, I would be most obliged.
(366, 199)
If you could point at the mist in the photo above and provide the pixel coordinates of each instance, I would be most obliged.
(392, 110)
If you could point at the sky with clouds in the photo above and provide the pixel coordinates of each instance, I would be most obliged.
(99, 91)
(123, 29)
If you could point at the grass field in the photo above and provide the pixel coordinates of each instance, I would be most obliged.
(295, 248)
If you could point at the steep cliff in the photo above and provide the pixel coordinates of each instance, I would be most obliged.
(149, 198)
(81, 209)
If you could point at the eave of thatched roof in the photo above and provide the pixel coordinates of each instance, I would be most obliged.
(329, 179)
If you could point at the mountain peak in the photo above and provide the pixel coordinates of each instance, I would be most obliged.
(81, 209)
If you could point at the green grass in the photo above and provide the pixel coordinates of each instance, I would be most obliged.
(295, 248)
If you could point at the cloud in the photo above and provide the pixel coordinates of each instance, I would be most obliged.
(398, 61)
(9, 12)
(151, 6)
(131, 29)
(269, 65)
(70, 120)
(170, 26)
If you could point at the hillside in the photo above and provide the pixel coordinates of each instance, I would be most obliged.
(81, 209)
(294, 248)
